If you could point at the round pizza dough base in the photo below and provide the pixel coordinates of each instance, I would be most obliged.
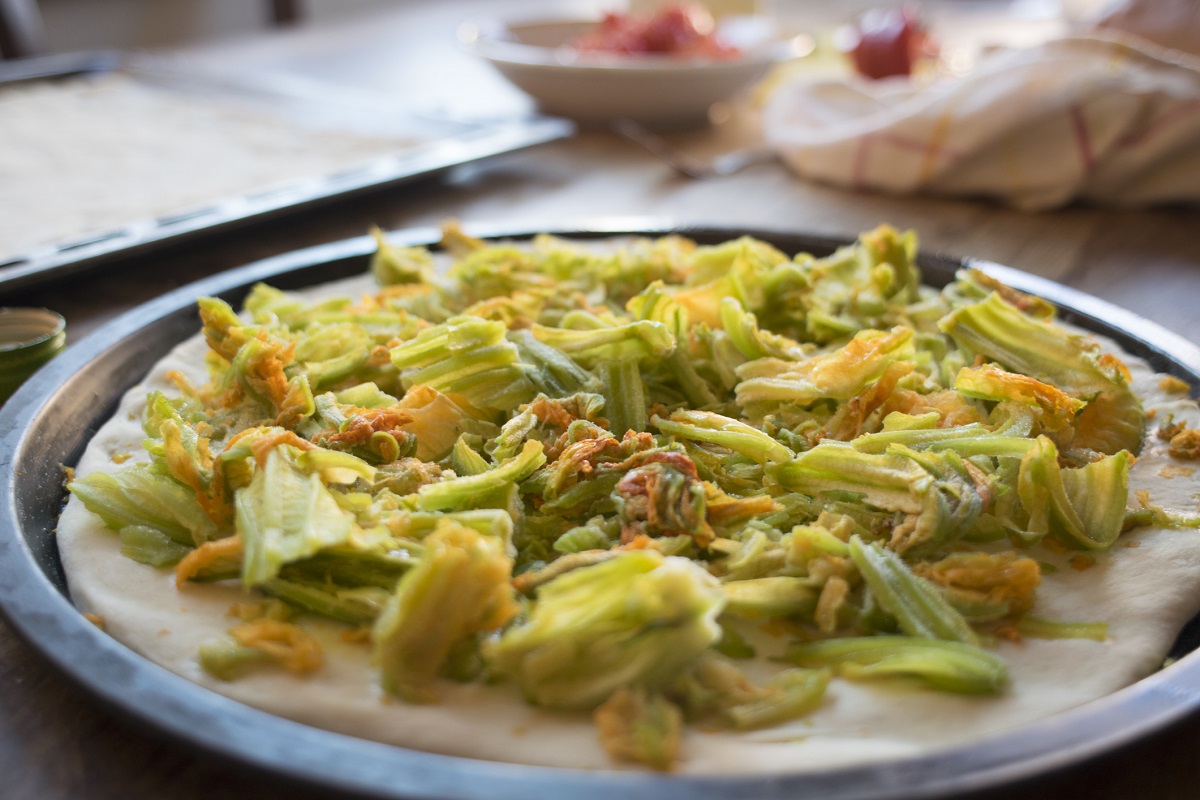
(1146, 588)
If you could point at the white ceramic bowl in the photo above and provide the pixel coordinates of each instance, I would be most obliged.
(660, 91)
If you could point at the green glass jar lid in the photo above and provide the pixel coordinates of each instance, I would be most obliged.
(29, 337)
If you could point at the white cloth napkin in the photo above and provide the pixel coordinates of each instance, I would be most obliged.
(1110, 119)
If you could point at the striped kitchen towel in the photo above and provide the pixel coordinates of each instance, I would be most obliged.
(1108, 119)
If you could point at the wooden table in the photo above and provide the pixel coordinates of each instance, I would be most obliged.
(55, 743)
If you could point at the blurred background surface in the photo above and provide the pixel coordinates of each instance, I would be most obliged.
(86, 24)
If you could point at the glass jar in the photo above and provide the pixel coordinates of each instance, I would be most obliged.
(29, 337)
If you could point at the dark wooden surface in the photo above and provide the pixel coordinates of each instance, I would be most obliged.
(56, 743)
(21, 31)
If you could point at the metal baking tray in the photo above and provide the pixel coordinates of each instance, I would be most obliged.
(49, 421)
(463, 142)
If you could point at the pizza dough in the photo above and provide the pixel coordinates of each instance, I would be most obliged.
(165, 152)
(1145, 589)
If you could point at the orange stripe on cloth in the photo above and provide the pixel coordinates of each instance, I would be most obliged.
(933, 148)
(1083, 139)
(859, 174)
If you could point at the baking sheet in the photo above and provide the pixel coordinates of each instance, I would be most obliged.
(49, 422)
(123, 156)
